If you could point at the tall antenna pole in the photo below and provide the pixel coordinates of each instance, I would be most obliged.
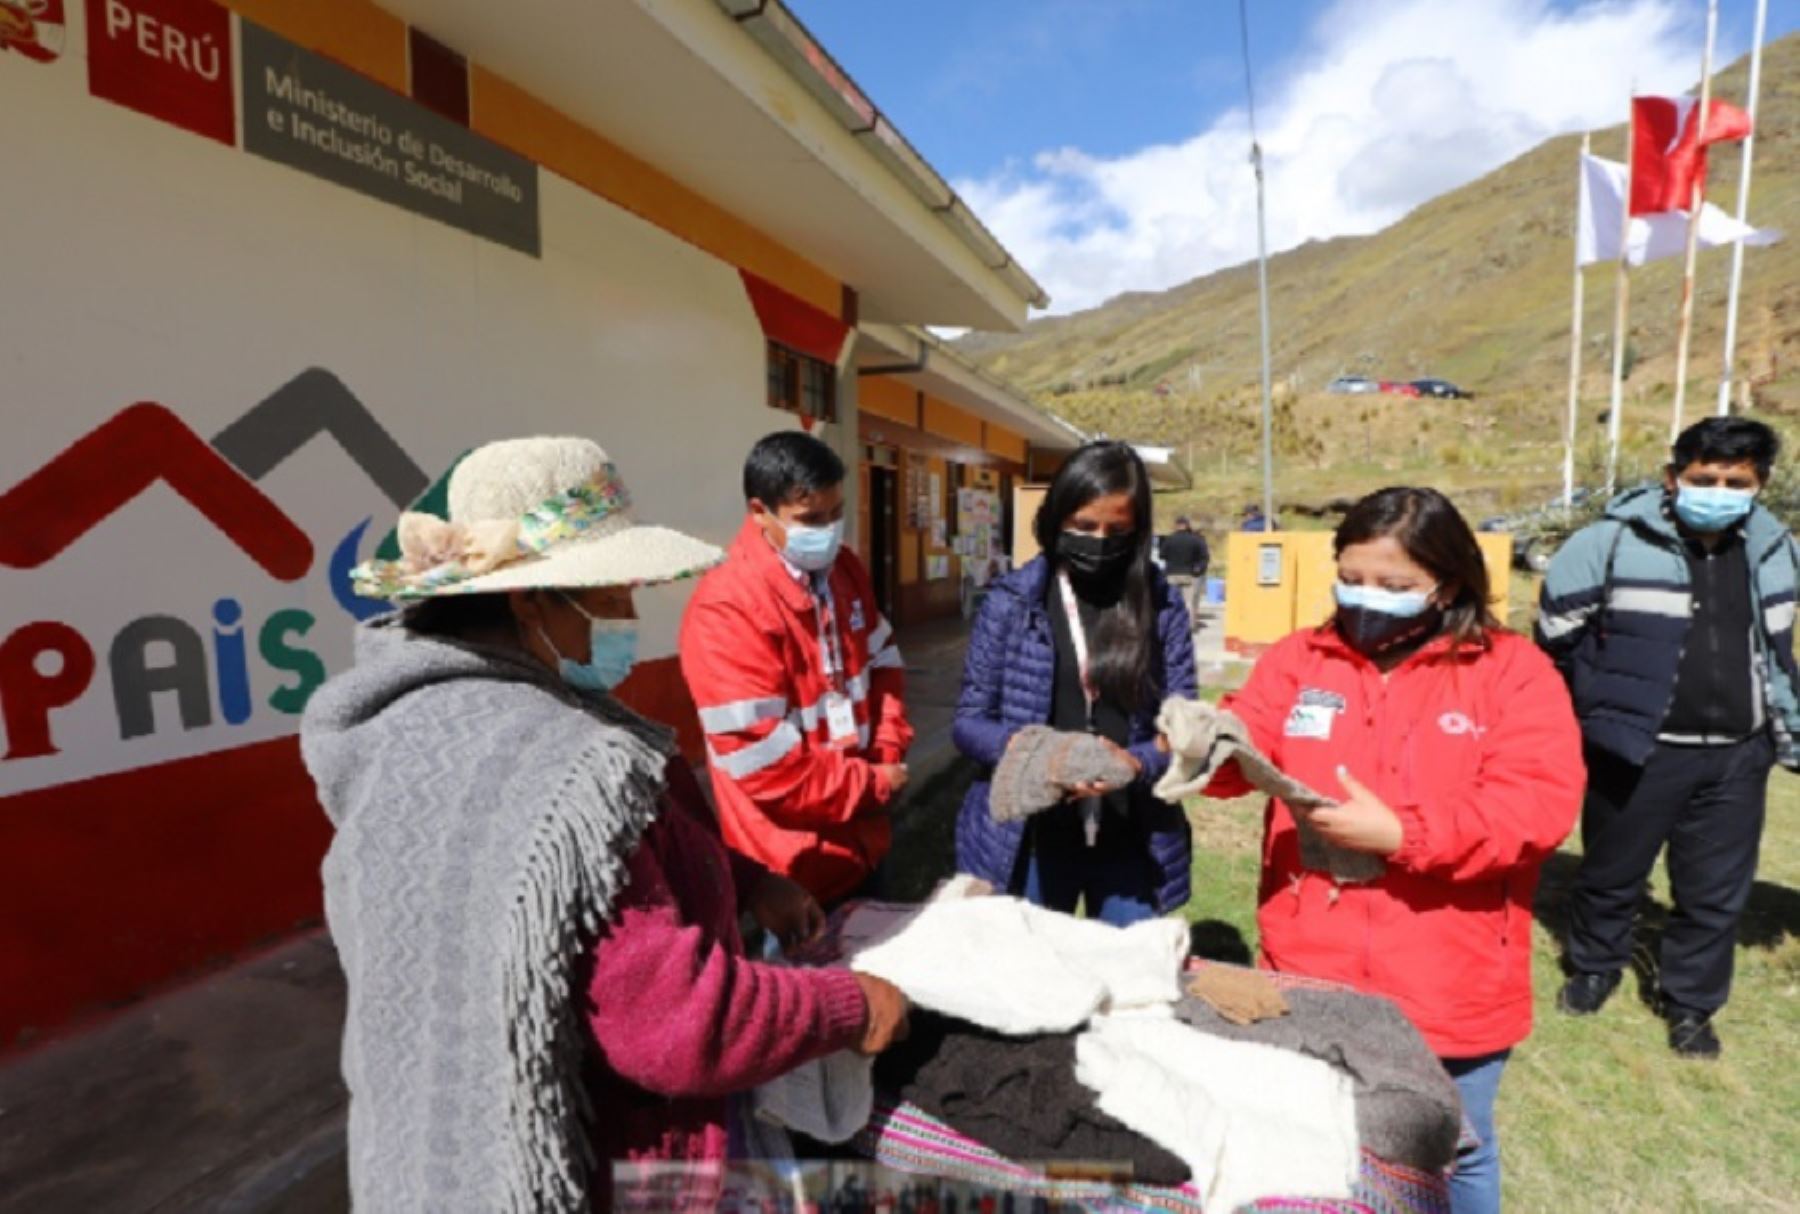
(1685, 328)
(1737, 248)
(1262, 280)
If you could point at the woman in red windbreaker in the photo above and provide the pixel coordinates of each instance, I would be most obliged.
(1454, 749)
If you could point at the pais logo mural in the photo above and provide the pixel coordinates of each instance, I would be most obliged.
(35, 29)
(206, 665)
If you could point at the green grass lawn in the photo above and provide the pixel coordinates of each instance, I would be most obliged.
(1596, 1114)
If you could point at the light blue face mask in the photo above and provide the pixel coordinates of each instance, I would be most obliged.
(1400, 604)
(1712, 508)
(813, 549)
(612, 652)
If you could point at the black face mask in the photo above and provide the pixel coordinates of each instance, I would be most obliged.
(1094, 559)
(1372, 632)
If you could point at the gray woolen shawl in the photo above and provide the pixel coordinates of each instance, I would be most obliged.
(484, 815)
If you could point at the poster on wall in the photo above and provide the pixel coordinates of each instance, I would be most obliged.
(938, 536)
(937, 568)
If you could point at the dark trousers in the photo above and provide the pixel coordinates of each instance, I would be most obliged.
(1707, 803)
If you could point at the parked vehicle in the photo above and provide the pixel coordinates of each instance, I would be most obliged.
(1352, 385)
(1443, 389)
(1538, 532)
(1395, 388)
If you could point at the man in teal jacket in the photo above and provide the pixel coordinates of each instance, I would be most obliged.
(1672, 619)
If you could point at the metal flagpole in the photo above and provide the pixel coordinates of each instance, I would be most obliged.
(1743, 214)
(1620, 312)
(1262, 282)
(1574, 346)
(1685, 331)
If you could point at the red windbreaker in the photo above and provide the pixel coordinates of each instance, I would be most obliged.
(753, 658)
(1480, 756)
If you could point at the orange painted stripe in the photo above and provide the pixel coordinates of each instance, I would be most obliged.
(1003, 442)
(947, 421)
(353, 32)
(889, 399)
(514, 118)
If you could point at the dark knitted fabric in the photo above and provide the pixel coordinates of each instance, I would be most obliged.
(1407, 1107)
(1016, 1096)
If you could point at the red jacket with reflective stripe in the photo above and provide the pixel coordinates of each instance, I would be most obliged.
(751, 655)
(1479, 755)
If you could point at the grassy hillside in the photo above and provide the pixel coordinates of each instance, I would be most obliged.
(1473, 286)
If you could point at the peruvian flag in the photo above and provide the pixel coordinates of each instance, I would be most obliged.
(1668, 149)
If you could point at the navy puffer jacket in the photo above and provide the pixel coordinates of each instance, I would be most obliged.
(1009, 681)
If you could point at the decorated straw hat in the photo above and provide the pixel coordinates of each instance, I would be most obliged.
(532, 514)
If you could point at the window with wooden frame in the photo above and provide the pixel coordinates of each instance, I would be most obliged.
(802, 384)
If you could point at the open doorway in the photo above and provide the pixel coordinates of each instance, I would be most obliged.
(884, 536)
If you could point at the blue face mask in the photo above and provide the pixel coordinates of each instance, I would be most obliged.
(1371, 619)
(813, 549)
(612, 652)
(1712, 509)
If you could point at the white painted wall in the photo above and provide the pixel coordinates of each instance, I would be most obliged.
(140, 262)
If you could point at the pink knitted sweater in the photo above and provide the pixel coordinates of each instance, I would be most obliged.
(682, 1019)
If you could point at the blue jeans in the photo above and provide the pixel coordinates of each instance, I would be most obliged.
(1475, 1185)
(1115, 880)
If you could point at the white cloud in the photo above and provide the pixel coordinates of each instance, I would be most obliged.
(1391, 103)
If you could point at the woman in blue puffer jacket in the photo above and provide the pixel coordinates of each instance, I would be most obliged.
(1088, 636)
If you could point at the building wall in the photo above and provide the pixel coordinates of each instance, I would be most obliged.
(935, 440)
(164, 616)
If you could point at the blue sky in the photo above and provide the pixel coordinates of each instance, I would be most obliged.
(1104, 141)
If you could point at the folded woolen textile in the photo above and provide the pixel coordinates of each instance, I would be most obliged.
(1250, 1121)
(1041, 764)
(1016, 1096)
(1203, 738)
(1407, 1107)
(1004, 964)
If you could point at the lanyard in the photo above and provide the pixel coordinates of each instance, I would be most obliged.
(831, 651)
(1078, 635)
(1090, 806)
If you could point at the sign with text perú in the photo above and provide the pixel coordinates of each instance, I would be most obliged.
(307, 112)
(170, 59)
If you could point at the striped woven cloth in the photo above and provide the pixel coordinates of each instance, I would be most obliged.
(907, 1139)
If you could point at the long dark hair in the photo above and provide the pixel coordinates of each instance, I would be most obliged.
(1435, 536)
(1121, 647)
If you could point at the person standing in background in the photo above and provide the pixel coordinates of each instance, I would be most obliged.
(1186, 557)
(1672, 619)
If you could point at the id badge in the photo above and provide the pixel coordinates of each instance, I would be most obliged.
(840, 719)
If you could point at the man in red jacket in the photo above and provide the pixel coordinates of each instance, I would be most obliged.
(798, 680)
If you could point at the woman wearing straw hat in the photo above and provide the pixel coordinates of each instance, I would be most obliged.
(534, 912)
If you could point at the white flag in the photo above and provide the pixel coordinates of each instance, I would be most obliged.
(1651, 237)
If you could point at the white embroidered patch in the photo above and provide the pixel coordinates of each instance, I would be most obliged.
(1457, 724)
(857, 623)
(1310, 721)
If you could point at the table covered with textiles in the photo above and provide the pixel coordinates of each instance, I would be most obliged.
(916, 1118)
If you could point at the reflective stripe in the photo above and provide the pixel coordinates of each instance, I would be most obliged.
(878, 638)
(1779, 618)
(806, 716)
(1553, 627)
(858, 687)
(888, 658)
(1673, 603)
(741, 714)
(754, 758)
